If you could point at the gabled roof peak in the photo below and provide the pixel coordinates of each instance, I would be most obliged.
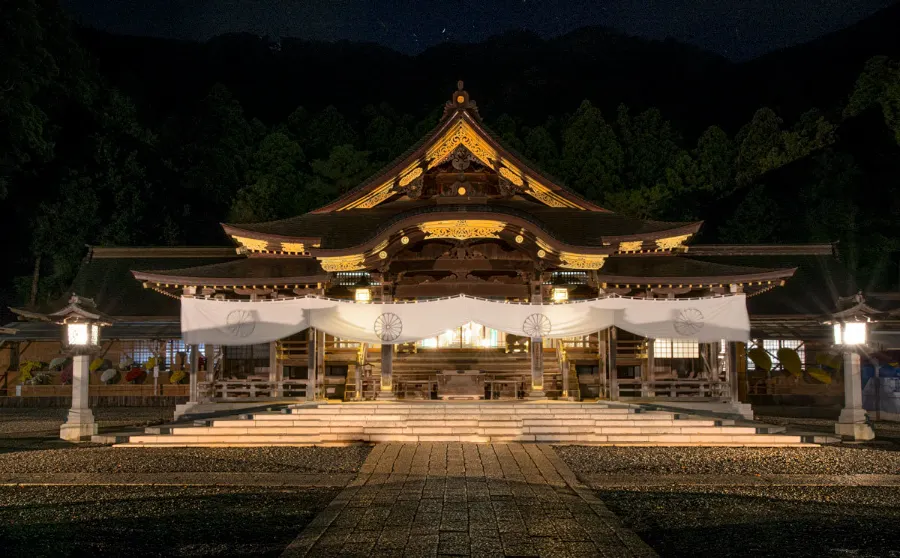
(460, 101)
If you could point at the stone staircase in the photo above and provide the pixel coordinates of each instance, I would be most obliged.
(572, 423)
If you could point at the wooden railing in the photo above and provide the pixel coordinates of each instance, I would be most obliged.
(585, 345)
(102, 390)
(672, 389)
(630, 349)
(253, 390)
(292, 350)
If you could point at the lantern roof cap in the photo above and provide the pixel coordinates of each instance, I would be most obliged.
(855, 308)
(78, 308)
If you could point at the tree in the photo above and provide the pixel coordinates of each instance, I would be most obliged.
(327, 130)
(214, 160)
(592, 159)
(345, 168)
(715, 162)
(759, 146)
(540, 147)
(276, 182)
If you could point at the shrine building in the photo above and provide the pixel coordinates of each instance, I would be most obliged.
(466, 225)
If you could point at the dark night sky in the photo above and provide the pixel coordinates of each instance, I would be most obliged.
(737, 29)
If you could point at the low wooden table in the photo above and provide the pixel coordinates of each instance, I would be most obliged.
(461, 384)
(417, 386)
(495, 386)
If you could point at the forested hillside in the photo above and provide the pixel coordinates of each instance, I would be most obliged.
(135, 141)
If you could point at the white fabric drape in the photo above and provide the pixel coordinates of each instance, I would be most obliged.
(243, 323)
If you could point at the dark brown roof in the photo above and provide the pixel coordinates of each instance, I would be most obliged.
(105, 276)
(631, 270)
(814, 290)
(244, 271)
(345, 229)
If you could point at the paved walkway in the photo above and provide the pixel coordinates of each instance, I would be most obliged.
(455, 499)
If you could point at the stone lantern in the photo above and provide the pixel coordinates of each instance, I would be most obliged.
(81, 323)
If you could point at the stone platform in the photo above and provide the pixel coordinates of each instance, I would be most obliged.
(482, 422)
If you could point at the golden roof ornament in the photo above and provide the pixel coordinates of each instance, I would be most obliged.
(460, 101)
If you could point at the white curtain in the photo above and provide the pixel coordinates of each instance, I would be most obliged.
(244, 323)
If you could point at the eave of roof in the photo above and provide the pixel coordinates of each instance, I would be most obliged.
(683, 271)
(556, 224)
(244, 272)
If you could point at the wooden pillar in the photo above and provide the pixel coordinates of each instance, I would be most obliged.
(537, 350)
(274, 370)
(611, 361)
(387, 372)
(311, 364)
(651, 369)
(320, 364)
(194, 390)
(387, 351)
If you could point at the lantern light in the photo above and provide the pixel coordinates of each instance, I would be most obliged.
(850, 333)
(560, 294)
(363, 295)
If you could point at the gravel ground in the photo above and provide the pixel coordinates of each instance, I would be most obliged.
(882, 428)
(831, 460)
(163, 460)
(154, 521)
(769, 521)
(32, 423)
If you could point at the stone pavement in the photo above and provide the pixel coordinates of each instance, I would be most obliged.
(454, 499)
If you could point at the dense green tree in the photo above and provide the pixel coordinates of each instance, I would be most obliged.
(276, 182)
(327, 130)
(714, 155)
(345, 168)
(540, 147)
(759, 146)
(592, 159)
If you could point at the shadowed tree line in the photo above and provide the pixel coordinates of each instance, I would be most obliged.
(80, 163)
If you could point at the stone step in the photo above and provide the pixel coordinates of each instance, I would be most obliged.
(624, 440)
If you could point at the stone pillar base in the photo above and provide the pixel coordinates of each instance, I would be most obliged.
(536, 395)
(743, 409)
(852, 424)
(856, 430)
(184, 409)
(78, 426)
(386, 395)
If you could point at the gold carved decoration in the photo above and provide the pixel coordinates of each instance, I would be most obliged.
(404, 240)
(570, 260)
(252, 244)
(511, 176)
(343, 263)
(672, 243)
(548, 198)
(462, 229)
(461, 133)
(293, 247)
(520, 239)
(382, 255)
(376, 197)
(631, 246)
(409, 177)
(381, 246)
(542, 254)
(543, 244)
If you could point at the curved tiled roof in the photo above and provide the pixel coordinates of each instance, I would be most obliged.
(353, 227)
(629, 269)
(244, 271)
